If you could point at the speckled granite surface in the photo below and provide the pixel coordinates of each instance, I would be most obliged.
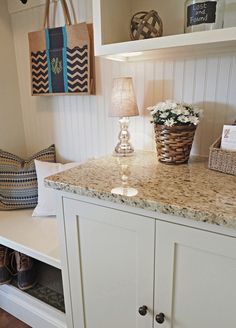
(191, 191)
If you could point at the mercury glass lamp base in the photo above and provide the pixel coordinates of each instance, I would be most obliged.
(124, 147)
(122, 153)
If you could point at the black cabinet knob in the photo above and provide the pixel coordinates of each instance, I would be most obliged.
(143, 310)
(160, 318)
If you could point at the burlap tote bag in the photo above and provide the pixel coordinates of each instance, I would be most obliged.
(62, 60)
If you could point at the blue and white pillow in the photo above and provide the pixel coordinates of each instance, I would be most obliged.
(18, 179)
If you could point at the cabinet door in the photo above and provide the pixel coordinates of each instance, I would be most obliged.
(195, 278)
(110, 257)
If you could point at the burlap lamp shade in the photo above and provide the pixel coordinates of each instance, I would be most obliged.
(123, 99)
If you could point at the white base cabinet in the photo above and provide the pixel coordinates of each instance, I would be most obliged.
(115, 263)
(111, 266)
(195, 277)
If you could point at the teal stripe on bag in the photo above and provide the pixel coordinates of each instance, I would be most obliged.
(48, 60)
(47, 40)
(64, 56)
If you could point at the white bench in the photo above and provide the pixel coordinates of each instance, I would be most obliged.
(38, 238)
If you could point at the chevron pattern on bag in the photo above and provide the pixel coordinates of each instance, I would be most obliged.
(39, 68)
(77, 69)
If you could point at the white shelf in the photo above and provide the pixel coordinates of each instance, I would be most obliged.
(222, 40)
(36, 237)
(112, 39)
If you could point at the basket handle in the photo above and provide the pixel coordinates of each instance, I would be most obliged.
(66, 13)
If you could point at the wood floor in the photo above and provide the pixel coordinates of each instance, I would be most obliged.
(8, 321)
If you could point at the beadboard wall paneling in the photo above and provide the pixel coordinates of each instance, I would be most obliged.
(11, 123)
(80, 126)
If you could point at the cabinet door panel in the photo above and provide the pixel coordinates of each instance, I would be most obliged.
(195, 274)
(111, 262)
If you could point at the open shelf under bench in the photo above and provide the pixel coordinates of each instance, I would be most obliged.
(37, 237)
(34, 236)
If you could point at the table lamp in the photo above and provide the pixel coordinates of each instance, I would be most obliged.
(123, 105)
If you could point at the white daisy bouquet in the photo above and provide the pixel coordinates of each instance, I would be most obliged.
(172, 113)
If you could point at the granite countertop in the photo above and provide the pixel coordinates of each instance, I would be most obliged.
(190, 190)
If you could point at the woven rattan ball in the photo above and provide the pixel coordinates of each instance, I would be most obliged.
(145, 25)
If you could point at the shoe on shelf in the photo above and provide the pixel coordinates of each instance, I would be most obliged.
(5, 272)
(26, 273)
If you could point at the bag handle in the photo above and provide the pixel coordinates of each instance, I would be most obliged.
(66, 13)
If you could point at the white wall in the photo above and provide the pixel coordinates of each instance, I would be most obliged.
(11, 124)
(79, 125)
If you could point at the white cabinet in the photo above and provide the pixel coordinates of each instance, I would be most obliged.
(112, 33)
(111, 266)
(117, 261)
(195, 277)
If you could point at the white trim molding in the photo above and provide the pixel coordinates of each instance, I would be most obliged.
(30, 310)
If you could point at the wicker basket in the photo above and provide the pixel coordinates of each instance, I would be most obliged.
(174, 143)
(222, 160)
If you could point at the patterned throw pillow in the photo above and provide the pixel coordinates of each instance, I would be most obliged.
(18, 179)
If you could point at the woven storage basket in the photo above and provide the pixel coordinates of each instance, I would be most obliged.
(174, 143)
(222, 160)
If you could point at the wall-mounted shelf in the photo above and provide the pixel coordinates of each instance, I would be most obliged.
(112, 40)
